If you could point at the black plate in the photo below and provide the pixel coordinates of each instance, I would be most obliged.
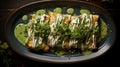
(20, 49)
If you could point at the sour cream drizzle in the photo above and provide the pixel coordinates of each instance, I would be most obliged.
(72, 42)
(52, 40)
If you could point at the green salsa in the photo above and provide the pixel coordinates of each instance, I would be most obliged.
(104, 30)
(85, 11)
(20, 33)
(58, 10)
(70, 11)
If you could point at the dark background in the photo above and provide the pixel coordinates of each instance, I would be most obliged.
(110, 58)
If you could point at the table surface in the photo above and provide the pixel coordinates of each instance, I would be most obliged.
(110, 58)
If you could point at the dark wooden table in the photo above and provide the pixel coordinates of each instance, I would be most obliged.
(110, 58)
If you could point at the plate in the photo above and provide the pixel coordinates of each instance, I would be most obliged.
(47, 57)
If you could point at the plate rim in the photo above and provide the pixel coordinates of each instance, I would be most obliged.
(32, 3)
